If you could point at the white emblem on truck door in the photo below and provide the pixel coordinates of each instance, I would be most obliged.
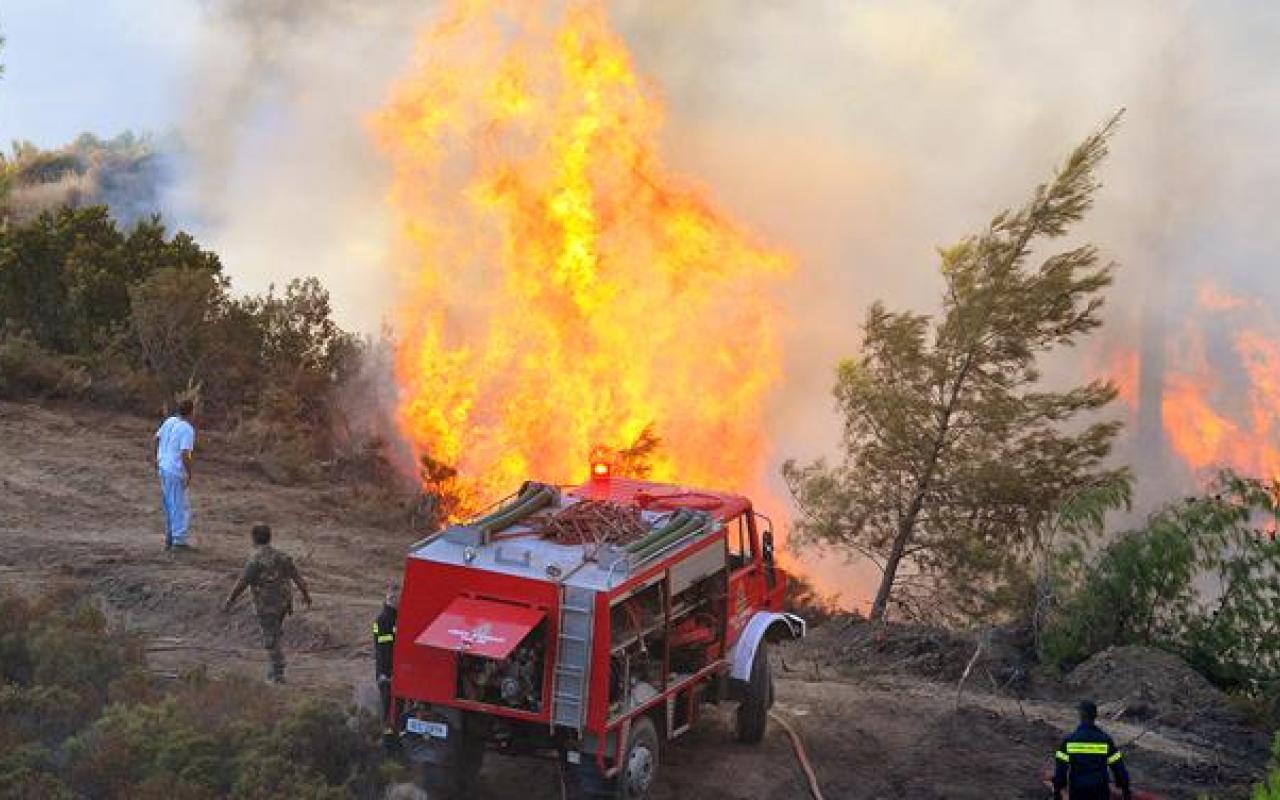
(480, 635)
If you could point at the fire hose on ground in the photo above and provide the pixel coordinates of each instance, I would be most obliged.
(796, 745)
(801, 755)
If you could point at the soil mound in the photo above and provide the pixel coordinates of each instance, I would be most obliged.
(1146, 683)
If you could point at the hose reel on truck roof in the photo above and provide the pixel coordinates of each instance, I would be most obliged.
(532, 498)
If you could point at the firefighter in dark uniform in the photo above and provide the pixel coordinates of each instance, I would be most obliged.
(384, 639)
(1083, 759)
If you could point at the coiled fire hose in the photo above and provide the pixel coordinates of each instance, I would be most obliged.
(801, 755)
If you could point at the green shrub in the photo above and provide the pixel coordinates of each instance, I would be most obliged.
(38, 714)
(15, 656)
(130, 745)
(132, 318)
(1200, 580)
(268, 775)
(1269, 789)
(80, 718)
(75, 650)
(1139, 591)
(316, 735)
(65, 275)
(28, 772)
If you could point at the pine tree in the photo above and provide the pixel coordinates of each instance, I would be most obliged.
(954, 454)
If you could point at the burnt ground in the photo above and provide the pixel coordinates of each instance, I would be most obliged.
(78, 501)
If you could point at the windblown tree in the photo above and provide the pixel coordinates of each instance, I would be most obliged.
(954, 452)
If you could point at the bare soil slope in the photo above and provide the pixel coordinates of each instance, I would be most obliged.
(78, 499)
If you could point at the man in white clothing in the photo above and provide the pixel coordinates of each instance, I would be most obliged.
(174, 442)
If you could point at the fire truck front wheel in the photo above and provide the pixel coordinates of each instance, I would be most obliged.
(640, 764)
(756, 698)
(636, 774)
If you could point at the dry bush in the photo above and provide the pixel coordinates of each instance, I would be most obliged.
(805, 599)
(27, 369)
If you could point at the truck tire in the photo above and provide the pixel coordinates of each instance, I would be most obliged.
(757, 697)
(639, 762)
(633, 781)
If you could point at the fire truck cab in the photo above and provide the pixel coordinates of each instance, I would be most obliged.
(589, 624)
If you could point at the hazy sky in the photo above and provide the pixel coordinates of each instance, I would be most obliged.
(102, 66)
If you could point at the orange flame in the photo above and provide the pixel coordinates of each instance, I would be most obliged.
(1223, 411)
(1124, 368)
(1212, 297)
(565, 290)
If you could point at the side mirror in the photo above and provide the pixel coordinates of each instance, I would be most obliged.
(766, 546)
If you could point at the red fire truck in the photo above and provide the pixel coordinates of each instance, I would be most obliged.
(589, 624)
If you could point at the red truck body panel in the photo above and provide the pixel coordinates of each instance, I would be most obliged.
(475, 597)
(430, 673)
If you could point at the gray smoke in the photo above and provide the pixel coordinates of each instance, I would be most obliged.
(280, 175)
(864, 134)
(860, 135)
(127, 173)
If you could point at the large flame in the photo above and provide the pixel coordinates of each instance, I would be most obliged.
(565, 289)
(1220, 401)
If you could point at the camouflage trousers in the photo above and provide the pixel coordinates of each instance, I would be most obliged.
(272, 624)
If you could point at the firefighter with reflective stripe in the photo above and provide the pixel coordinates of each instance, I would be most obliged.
(384, 639)
(1083, 759)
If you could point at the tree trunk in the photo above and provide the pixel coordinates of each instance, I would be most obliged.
(906, 527)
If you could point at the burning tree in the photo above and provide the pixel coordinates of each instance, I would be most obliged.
(954, 453)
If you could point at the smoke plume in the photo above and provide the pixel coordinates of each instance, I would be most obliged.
(859, 135)
(280, 175)
(127, 174)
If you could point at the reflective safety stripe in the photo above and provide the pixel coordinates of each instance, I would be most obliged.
(375, 629)
(1088, 748)
(1061, 756)
(1116, 756)
(386, 637)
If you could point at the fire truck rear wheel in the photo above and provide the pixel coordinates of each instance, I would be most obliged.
(757, 697)
(640, 763)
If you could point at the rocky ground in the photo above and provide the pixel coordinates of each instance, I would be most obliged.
(879, 711)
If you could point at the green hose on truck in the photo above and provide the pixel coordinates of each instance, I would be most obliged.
(532, 498)
(673, 531)
(677, 520)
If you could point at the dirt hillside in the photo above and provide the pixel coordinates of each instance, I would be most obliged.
(78, 500)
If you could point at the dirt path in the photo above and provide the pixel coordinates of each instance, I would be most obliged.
(78, 501)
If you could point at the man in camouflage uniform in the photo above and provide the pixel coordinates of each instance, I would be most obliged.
(269, 572)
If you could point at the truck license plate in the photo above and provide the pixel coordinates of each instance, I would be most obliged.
(436, 730)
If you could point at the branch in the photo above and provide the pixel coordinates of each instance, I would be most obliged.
(982, 643)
